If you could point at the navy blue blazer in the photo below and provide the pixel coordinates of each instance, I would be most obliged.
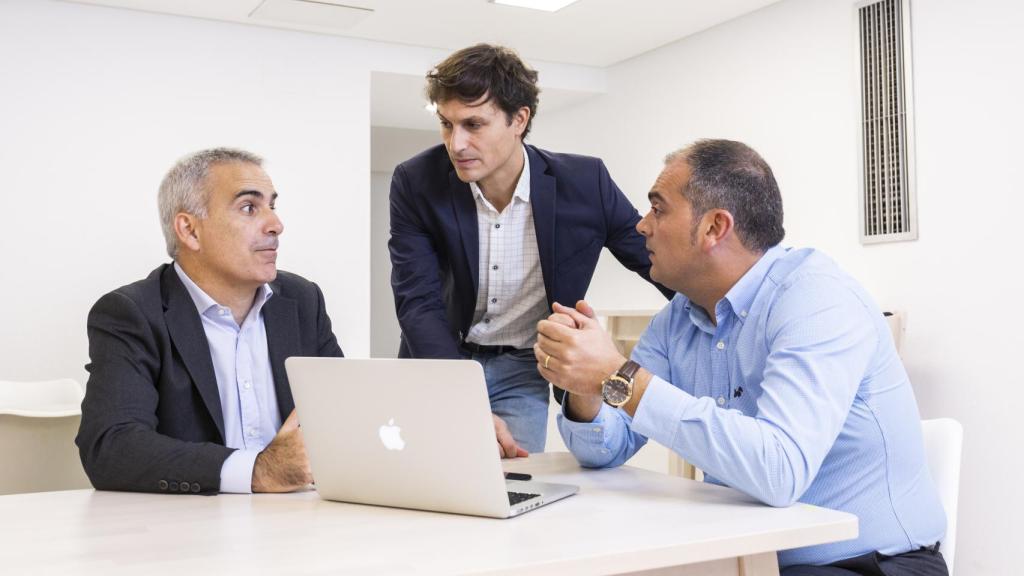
(577, 211)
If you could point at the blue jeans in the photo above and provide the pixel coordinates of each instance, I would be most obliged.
(519, 395)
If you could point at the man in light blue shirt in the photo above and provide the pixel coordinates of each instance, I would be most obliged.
(187, 390)
(772, 371)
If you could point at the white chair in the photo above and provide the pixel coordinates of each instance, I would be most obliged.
(943, 445)
(38, 423)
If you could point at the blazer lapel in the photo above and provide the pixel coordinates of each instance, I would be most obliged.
(543, 202)
(464, 208)
(186, 331)
(281, 318)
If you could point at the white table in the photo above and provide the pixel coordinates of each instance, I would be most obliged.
(623, 520)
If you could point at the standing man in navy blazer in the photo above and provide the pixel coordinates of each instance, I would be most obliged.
(487, 233)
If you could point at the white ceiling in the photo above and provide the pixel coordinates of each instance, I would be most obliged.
(581, 39)
(590, 32)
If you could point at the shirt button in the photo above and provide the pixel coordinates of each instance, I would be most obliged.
(721, 401)
(597, 429)
(497, 225)
(495, 267)
(743, 314)
(222, 312)
(720, 345)
(252, 431)
(487, 320)
(494, 300)
(247, 385)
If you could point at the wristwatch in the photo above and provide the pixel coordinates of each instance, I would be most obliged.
(617, 389)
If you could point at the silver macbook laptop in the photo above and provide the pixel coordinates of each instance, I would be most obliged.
(409, 434)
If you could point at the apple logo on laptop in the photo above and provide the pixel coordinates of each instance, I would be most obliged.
(391, 436)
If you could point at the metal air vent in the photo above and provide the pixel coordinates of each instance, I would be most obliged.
(888, 207)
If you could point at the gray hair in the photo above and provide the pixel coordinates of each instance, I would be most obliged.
(732, 176)
(184, 187)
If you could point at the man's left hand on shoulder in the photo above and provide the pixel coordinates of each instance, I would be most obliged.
(574, 352)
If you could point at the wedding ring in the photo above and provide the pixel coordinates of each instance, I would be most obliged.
(546, 361)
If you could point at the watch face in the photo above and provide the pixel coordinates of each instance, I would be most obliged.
(615, 391)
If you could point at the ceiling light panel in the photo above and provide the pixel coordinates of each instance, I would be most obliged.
(320, 14)
(545, 5)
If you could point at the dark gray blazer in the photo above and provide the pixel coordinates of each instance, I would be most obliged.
(151, 417)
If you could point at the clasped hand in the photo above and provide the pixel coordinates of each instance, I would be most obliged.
(574, 352)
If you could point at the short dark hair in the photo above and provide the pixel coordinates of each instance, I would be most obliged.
(732, 176)
(486, 70)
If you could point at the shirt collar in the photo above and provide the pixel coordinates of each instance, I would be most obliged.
(742, 293)
(522, 190)
(205, 302)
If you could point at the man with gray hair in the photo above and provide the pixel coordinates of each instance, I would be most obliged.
(187, 390)
(772, 370)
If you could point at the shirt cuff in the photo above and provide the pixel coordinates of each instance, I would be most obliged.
(660, 411)
(236, 472)
(592, 442)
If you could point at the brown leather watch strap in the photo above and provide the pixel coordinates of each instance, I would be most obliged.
(629, 370)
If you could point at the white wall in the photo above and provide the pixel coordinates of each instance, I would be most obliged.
(97, 103)
(384, 330)
(782, 79)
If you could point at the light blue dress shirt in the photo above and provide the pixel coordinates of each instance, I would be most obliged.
(241, 363)
(797, 394)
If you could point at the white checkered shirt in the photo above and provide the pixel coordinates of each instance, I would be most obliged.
(510, 296)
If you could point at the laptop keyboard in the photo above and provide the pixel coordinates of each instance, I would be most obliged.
(517, 497)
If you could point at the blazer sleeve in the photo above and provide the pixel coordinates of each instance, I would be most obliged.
(416, 278)
(117, 439)
(623, 240)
